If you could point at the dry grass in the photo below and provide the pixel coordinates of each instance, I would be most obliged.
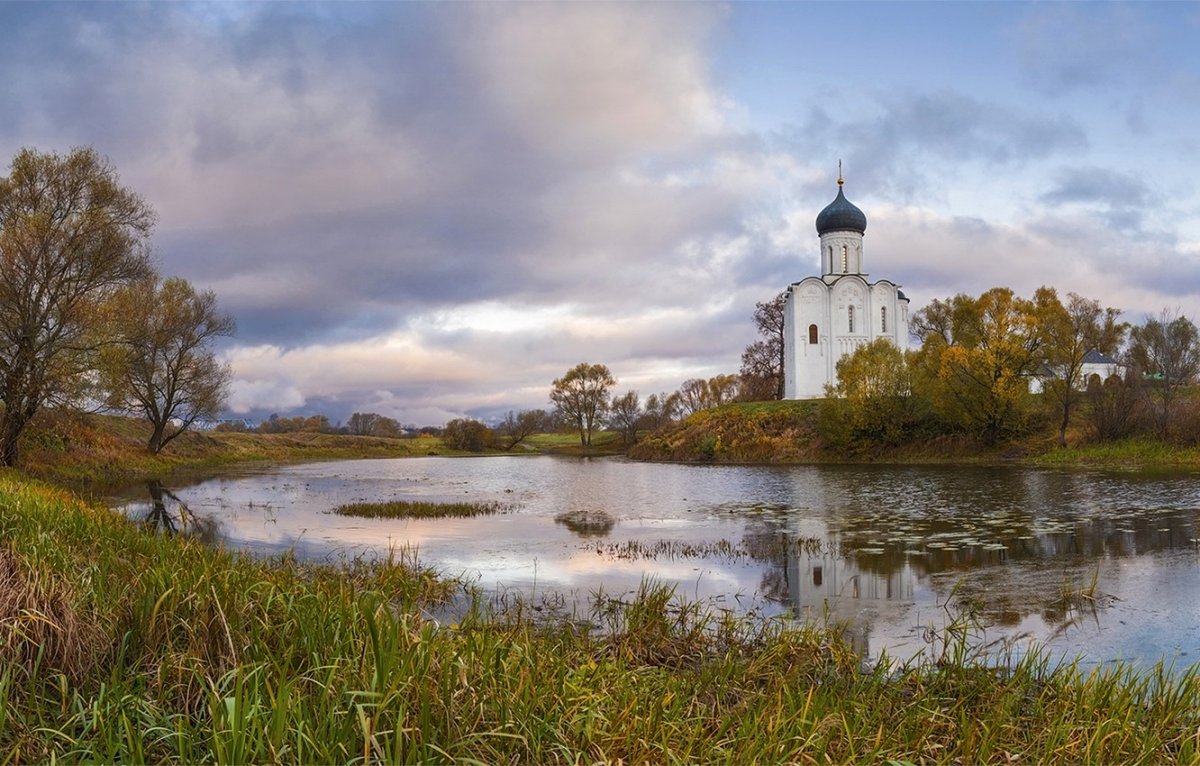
(41, 627)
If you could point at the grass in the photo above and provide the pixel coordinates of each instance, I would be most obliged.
(81, 449)
(1127, 453)
(419, 509)
(117, 646)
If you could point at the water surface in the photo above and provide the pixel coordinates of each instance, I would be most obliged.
(894, 552)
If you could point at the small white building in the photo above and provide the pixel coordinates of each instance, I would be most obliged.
(829, 316)
(1095, 365)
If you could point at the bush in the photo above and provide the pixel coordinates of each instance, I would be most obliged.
(467, 434)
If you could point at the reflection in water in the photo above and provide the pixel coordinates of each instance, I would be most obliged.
(165, 506)
(881, 549)
(587, 523)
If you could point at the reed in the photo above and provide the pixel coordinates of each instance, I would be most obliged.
(170, 652)
(420, 509)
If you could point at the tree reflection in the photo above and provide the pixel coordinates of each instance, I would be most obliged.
(171, 516)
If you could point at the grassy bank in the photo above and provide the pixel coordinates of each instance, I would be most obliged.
(120, 646)
(76, 448)
(787, 432)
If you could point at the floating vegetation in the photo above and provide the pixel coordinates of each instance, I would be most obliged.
(587, 523)
(421, 509)
(753, 549)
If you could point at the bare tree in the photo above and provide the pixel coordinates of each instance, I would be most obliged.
(70, 236)
(581, 397)
(660, 410)
(362, 423)
(165, 368)
(1070, 332)
(762, 361)
(517, 427)
(625, 414)
(694, 396)
(1166, 349)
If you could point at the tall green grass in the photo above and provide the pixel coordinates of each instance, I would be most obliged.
(133, 648)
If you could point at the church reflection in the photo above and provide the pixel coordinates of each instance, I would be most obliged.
(862, 565)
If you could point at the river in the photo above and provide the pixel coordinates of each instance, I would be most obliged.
(1104, 565)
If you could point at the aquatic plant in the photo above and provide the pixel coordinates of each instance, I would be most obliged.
(421, 509)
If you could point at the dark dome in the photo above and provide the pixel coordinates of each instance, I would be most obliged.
(841, 215)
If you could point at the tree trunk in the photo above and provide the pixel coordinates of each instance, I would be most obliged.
(156, 438)
(9, 434)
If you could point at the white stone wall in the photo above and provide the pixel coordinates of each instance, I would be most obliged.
(826, 303)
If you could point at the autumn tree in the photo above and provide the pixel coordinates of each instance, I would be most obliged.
(625, 414)
(698, 394)
(873, 400)
(581, 397)
(979, 354)
(1069, 332)
(467, 434)
(70, 236)
(1166, 349)
(164, 367)
(372, 424)
(762, 361)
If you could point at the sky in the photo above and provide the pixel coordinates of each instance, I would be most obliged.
(431, 211)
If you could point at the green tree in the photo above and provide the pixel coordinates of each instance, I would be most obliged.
(70, 237)
(581, 397)
(165, 368)
(1166, 349)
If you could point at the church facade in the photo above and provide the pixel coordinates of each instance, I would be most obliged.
(829, 316)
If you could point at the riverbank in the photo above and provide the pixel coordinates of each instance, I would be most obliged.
(122, 646)
(787, 432)
(76, 449)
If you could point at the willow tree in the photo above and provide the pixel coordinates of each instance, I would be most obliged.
(165, 368)
(581, 397)
(70, 237)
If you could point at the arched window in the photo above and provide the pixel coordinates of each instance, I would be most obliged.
(883, 318)
(845, 259)
(850, 318)
(812, 334)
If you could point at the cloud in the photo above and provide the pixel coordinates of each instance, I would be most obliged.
(432, 210)
(913, 140)
(1064, 48)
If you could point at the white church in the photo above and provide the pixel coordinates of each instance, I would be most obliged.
(829, 316)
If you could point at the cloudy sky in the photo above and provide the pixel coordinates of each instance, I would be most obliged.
(432, 210)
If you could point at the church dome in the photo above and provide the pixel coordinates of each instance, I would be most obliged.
(841, 215)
